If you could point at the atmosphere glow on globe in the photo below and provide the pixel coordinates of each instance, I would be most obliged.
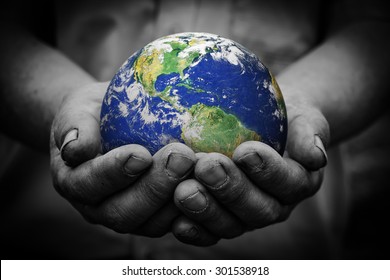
(200, 89)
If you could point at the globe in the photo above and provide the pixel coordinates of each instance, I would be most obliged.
(200, 89)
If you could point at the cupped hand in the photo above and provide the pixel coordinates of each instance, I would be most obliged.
(257, 187)
(125, 189)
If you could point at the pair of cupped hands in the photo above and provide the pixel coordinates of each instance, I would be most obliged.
(199, 197)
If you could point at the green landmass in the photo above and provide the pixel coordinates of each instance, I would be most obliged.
(148, 65)
(153, 62)
(212, 130)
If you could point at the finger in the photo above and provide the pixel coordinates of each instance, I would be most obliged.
(76, 127)
(308, 135)
(98, 178)
(200, 155)
(193, 199)
(283, 178)
(237, 193)
(192, 233)
(129, 209)
(160, 223)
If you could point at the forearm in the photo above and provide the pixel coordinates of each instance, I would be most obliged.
(346, 78)
(34, 78)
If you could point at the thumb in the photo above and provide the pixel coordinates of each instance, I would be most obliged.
(308, 137)
(76, 127)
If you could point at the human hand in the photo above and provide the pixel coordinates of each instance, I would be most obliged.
(125, 189)
(257, 187)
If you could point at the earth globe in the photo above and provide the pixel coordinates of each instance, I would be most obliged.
(200, 89)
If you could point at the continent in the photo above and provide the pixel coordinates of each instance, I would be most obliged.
(171, 56)
(210, 129)
(200, 89)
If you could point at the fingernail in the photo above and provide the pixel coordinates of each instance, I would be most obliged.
(215, 176)
(252, 161)
(69, 137)
(320, 145)
(196, 202)
(134, 166)
(178, 165)
(190, 234)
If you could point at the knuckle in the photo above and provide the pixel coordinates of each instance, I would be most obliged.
(232, 192)
(307, 188)
(270, 173)
(274, 174)
(294, 192)
(74, 189)
(268, 214)
(67, 187)
(114, 217)
(271, 215)
(156, 192)
(77, 190)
